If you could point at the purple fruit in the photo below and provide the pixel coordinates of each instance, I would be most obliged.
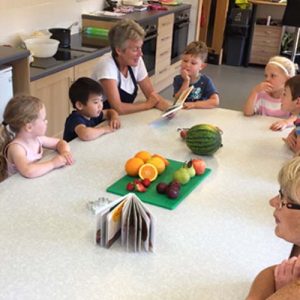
(172, 193)
(175, 184)
(161, 187)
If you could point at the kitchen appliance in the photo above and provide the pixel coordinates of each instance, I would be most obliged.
(149, 45)
(61, 56)
(63, 35)
(6, 88)
(180, 34)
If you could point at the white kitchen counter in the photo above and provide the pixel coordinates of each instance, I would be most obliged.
(210, 247)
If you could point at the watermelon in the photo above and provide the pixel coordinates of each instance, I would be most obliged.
(204, 139)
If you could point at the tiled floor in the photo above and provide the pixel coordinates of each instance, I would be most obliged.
(233, 83)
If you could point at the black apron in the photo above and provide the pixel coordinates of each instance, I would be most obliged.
(124, 96)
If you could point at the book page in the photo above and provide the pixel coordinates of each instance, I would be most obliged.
(178, 104)
(113, 224)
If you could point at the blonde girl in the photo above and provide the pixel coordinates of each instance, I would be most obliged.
(22, 138)
(266, 97)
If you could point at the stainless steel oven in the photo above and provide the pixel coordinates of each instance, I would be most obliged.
(180, 34)
(149, 45)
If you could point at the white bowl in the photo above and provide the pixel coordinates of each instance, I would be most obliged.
(41, 34)
(42, 47)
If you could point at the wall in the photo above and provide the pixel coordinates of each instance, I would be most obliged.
(193, 18)
(30, 15)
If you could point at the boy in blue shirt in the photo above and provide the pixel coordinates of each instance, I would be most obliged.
(204, 94)
(86, 97)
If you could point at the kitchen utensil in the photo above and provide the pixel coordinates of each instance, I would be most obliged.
(63, 35)
(73, 24)
(42, 47)
(151, 196)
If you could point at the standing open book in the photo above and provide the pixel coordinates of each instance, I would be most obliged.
(178, 104)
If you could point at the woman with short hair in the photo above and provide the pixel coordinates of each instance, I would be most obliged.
(282, 281)
(121, 71)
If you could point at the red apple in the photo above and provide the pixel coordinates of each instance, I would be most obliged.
(199, 166)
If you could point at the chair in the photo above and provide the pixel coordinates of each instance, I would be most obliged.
(291, 18)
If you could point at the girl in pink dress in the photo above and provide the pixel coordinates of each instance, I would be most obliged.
(266, 97)
(22, 138)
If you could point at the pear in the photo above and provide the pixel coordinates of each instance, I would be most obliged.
(182, 175)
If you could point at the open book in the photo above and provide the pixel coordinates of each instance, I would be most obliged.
(129, 219)
(178, 104)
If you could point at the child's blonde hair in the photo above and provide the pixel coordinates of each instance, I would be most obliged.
(285, 64)
(289, 179)
(19, 111)
(197, 48)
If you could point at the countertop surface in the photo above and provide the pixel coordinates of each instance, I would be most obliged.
(87, 47)
(210, 247)
(9, 54)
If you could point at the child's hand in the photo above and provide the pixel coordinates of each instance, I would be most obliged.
(59, 161)
(185, 76)
(68, 156)
(264, 86)
(291, 140)
(115, 123)
(189, 105)
(279, 125)
(287, 272)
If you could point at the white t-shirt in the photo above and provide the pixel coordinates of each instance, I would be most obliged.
(106, 68)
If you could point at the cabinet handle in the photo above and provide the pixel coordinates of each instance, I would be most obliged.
(165, 38)
(163, 71)
(164, 53)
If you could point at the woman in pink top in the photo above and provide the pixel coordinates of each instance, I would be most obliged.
(22, 138)
(265, 98)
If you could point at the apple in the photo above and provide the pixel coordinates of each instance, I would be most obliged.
(199, 166)
(182, 175)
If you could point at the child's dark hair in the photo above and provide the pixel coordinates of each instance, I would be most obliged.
(294, 84)
(82, 88)
(197, 48)
(19, 111)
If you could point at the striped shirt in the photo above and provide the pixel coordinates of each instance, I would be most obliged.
(269, 106)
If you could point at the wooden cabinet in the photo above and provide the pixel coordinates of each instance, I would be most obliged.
(265, 43)
(54, 91)
(163, 71)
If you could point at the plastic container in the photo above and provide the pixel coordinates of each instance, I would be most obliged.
(42, 47)
(96, 31)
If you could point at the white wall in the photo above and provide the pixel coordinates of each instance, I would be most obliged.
(193, 18)
(30, 15)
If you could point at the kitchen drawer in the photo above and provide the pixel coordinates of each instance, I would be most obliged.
(165, 25)
(261, 56)
(272, 32)
(164, 42)
(163, 78)
(163, 58)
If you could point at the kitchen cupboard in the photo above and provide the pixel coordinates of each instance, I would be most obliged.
(163, 72)
(54, 91)
(265, 43)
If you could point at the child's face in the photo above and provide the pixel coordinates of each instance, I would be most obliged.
(275, 76)
(192, 65)
(93, 107)
(287, 101)
(39, 125)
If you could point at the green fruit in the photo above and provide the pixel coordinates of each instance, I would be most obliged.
(182, 176)
(204, 139)
(190, 168)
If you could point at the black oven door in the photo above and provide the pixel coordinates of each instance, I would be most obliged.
(149, 52)
(180, 37)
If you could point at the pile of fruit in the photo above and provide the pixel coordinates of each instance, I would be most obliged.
(181, 177)
(202, 139)
(147, 167)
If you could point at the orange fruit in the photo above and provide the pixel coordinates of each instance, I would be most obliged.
(161, 157)
(158, 163)
(144, 155)
(148, 171)
(132, 166)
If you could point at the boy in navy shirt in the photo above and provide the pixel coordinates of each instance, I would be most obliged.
(204, 94)
(86, 97)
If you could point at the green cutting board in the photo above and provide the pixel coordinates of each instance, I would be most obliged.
(151, 195)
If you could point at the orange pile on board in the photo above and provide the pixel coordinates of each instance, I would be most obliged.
(145, 165)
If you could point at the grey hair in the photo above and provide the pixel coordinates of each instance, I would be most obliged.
(289, 179)
(123, 31)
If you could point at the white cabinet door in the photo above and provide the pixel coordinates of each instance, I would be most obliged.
(6, 88)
